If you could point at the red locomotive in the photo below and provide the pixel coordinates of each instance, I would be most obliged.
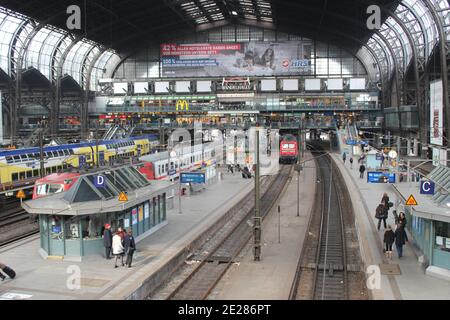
(54, 183)
(288, 149)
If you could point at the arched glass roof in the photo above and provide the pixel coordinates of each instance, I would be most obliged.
(45, 49)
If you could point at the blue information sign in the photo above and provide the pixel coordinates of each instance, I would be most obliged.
(193, 177)
(172, 172)
(426, 187)
(99, 181)
(380, 177)
(351, 142)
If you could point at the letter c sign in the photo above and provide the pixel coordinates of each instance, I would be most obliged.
(426, 187)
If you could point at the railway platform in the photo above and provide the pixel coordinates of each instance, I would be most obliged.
(54, 280)
(401, 279)
(271, 278)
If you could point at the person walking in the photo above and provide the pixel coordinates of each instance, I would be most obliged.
(400, 239)
(351, 162)
(380, 214)
(401, 220)
(129, 246)
(344, 157)
(388, 240)
(107, 241)
(362, 169)
(117, 248)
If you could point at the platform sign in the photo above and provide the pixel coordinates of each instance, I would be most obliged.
(193, 177)
(351, 142)
(426, 187)
(99, 181)
(172, 172)
(379, 156)
(20, 194)
(380, 177)
(123, 197)
(411, 201)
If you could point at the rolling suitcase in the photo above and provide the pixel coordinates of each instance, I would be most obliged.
(10, 272)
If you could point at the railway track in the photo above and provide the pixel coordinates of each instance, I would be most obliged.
(330, 267)
(207, 266)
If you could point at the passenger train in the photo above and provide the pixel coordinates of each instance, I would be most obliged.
(154, 167)
(158, 166)
(288, 149)
(21, 167)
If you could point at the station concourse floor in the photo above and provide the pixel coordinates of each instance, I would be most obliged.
(271, 278)
(411, 283)
(47, 279)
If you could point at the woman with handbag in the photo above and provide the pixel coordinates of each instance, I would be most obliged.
(388, 240)
(381, 214)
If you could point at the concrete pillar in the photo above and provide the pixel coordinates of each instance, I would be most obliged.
(408, 147)
(416, 147)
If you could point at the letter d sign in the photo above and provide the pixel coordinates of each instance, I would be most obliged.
(99, 181)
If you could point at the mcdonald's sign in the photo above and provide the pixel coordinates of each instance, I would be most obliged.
(182, 104)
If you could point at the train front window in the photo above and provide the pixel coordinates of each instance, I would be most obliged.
(46, 189)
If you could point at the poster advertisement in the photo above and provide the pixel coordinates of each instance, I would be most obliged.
(146, 210)
(436, 113)
(126, 223)
(134, 216)
(255, 58)
(141, 213)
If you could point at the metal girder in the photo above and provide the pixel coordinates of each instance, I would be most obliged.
(54, 115)
(85, 105)
(444, 55)
(18, 78)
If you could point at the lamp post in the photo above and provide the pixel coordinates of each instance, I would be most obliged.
(257, 224)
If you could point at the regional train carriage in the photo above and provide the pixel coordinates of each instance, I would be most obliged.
(21, 167)
(158, 166)
(288, 149)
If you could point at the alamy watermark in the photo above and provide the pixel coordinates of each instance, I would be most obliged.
(374, 20)
(73, 22)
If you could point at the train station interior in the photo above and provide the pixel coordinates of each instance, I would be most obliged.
(224, 150)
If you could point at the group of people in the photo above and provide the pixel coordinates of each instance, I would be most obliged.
(120, 244)
(246, 174)
(362, 167)
(398, 236)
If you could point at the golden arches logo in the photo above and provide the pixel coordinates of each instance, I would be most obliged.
(182, 104)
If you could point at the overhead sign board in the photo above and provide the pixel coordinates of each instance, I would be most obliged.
(426, 187)
(380, 177)
(193, 177)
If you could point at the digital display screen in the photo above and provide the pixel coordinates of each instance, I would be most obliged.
(380, 177)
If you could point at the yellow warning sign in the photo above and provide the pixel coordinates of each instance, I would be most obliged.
(411, 201)
(123, 197)
(20, 194)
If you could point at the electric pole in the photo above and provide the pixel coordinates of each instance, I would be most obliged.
(257, 224)
(41, 154)
(96, 144)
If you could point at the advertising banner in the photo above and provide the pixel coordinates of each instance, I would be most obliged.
(146, 210)
(436, 113)
(255, 58)
(134, 219)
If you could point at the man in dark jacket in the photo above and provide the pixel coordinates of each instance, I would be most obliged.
(362, 168)
(400, 239)
(107, 240)
(381, 215)
(129, 246)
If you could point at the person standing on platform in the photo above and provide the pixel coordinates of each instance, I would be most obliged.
(351, 162)
(400, 239)
(117, 248)
(401, 220)
(107, 240)
(344, 157)
(129, 246)
(389, 237)
(380, 214)
(387, 205)
(362, 169)
(121, 233)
